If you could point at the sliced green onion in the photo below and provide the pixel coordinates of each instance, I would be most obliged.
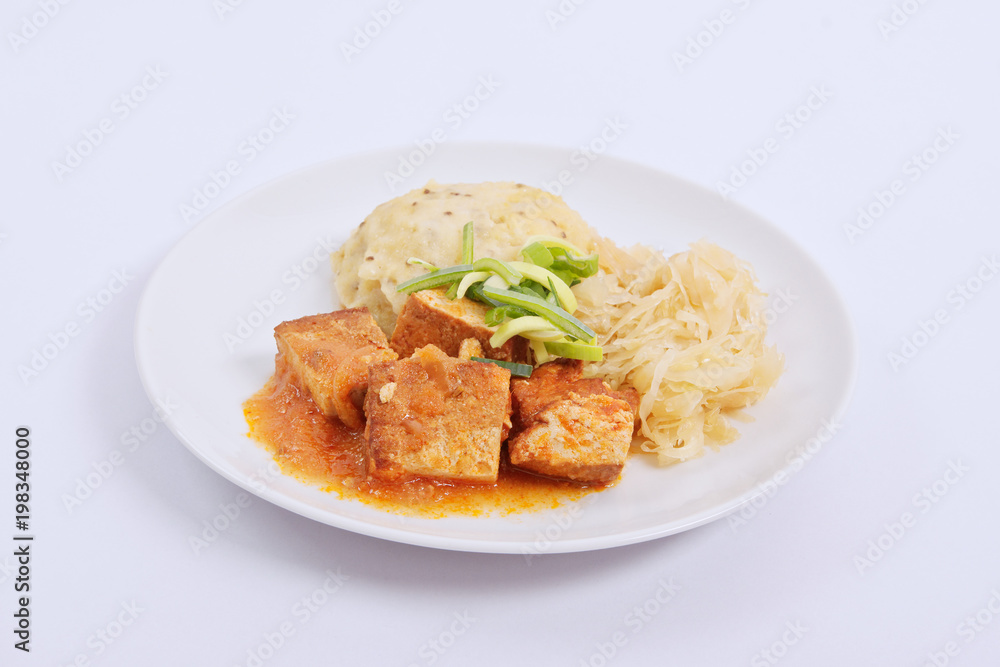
(434, 279)
(575, 350)
(541, 354)
(468, 235)
(543, 276)
(554, 314)
(420, 262)
(555, 295)
(531, 288)
(537, 254)
(469, 279)
(476, 294)
(518, 326)
(553, 242)
(503, 269)
(497, 315)
(543, 336)
(520, 370)
(584, 267)
(497, 281)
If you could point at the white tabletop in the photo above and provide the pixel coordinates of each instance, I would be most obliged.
(865, 131)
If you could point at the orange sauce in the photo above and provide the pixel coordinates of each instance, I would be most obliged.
(323, 451)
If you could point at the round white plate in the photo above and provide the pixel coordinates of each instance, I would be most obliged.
(203, 339)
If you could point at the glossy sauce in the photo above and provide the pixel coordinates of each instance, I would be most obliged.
(309, 446)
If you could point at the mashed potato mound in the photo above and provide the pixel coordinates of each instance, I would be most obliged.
(427, 223)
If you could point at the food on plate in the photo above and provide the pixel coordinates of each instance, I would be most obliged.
(688, 332)
(330, 355)
(436, 417)
(569, 426)
(526, 356)
(429, 316)
(428, 222)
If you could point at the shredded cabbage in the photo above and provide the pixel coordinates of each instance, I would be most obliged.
(688, 333)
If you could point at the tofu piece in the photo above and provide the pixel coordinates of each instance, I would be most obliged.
(569, 426)
(469, 348)
(330, 354)
(551, 382)
(581, 438)
(429, 317)
(436, 417)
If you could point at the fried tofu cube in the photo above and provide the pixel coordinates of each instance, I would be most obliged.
(329, 355)
(429, 317)
(581, 438)
(571, 427)
(436, 417)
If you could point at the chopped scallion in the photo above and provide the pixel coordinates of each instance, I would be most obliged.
(520, 370)
(434, 279)
(540, 307)
(574, 350)
(468, 236)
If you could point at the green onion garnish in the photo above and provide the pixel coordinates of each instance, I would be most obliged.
(497, 315)
(542, 308)
(545, 277)
(574, 350)
(520, 370)
(434, 279)
(537, 254)
(520, 326)
(503, 269)
(468, 255)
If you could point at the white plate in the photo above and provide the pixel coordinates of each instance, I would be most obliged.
(262, 259)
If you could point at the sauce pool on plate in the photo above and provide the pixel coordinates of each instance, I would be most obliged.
(321, 451)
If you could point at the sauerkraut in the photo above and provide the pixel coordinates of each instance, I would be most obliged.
(688, 333)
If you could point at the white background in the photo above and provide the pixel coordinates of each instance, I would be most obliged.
(887, 92)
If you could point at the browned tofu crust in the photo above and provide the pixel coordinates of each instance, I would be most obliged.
(436, 417)
(429, 317)
(330, 354)
(551, 382)
(581, 438)
(565, 425)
